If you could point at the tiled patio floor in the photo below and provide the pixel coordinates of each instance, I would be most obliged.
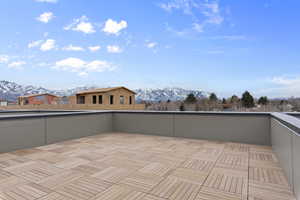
(139, 167)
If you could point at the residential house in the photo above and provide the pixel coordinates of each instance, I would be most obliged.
(106, 96)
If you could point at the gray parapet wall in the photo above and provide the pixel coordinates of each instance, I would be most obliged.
(286, 144)
(252, 128)
(26, 129)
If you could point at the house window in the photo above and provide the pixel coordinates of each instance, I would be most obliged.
(100, 99)
(81, 100)
(111, 99)
(122, 99)
(130, 99)
(94, 99)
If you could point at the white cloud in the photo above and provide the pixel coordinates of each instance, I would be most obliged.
(35, 43)
(94, 48)
(185, 5)
(230, 37)
(202, 12)
(4, 59)
(282, 86)
(48, 45)
(83, 68)
(198, 27)
(81, 24)
(114, 49)
(83, 74)
(73, 48)
(113, 27)
(151, 45)
(45, 17)
(17, 64)
(47, 1)
(286, 81)
(212, 12)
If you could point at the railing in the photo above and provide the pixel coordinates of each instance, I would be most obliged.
(36, 128)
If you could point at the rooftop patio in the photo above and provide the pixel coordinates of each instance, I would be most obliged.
(120, 166)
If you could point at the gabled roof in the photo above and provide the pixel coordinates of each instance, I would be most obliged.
(34, 95)
(103, 90)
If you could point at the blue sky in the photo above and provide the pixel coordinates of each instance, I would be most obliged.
(224, 46)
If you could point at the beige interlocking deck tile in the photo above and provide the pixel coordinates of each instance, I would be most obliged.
(33, 171)
(168, 160)
(12, 162)
(118, 161)
(236, 148)
(228, 181)
(207, 193)
(55, 196)
(233, 161)
(83, 188)
(11, 182)
(265, 157)
(4, 174)
(262, 191)
(86, 169)
(71, 162)
(24, 192)
(141, 181)
(208, 153)
(62, 149)
(259, 148)
(190, 175)
(49, 147)
(113, 174)
(40, 155)
(151, 197)
(7, 156)
(200, 165)
(25, 152)
(119, 193)
(157, 169)
(174, 188)
(36, 175)
(120, 166)
(268, 176)
(58, 180)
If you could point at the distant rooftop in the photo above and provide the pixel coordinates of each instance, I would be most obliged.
(34, 95)
(104, 90)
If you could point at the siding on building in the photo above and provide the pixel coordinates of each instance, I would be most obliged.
(121, 96)
(37, 99)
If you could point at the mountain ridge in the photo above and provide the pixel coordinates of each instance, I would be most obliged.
(10, 91)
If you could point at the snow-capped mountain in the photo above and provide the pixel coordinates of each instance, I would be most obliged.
(165, 94)
(10, 91)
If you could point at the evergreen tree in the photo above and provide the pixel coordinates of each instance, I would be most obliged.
(263, 100)
(234, 99)
(190, 98)
(224, 101)
(213, 97)
(247, 100)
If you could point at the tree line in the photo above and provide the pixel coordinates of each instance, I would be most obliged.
(234, 103)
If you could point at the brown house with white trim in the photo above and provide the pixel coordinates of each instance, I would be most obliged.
(106, 96)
